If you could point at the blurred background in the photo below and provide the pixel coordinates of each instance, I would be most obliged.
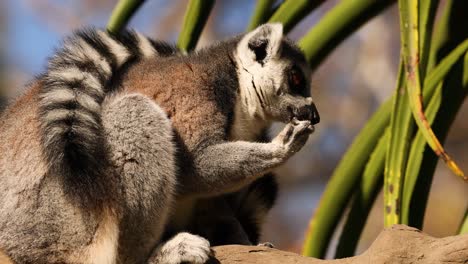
(347, 88)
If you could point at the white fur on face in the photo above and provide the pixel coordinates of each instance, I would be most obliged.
(259, 81)
(272, 32)
(258, 84)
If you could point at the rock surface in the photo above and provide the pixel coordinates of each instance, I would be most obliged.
(398, 244)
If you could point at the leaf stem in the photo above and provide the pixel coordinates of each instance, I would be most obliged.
(121, 14)
(195, 19)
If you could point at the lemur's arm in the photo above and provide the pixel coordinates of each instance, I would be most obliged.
(229, 166)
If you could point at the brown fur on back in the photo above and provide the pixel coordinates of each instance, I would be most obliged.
(187, 92)
(31, 200)
(19, 127)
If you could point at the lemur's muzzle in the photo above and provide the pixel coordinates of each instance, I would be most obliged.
(308, 112)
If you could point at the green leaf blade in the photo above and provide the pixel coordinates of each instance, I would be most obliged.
(401, 129)
(292, 12)
(261, 13)
(418, 153)
(410, 39)
(337, 25)
(195, 19)
(464, 224)
(342, 183)
(363, 199)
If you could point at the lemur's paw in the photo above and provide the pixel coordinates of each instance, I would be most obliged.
(186, 248)
(266, 244)
(294, 135)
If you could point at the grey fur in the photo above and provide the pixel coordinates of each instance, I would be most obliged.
(165, 131)
(229, 166)
(139, 134)
(36, 219)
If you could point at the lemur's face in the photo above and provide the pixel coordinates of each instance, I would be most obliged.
(274, 77)
(292, 96)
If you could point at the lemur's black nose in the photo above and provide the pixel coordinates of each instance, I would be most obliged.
(307, 112)
(315, 119)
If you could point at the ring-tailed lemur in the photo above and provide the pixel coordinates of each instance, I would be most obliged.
(121, 131)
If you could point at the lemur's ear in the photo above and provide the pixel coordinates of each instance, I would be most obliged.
(261, 44)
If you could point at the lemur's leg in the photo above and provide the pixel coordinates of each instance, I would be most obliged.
(229, 166)
(143, 153)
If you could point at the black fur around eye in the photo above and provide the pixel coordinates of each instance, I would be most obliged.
(297, 82)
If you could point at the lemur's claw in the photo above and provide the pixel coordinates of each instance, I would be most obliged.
(266, 244)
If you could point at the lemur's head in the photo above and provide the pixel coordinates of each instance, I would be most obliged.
(274, 76)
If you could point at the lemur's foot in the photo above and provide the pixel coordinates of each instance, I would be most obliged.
(294, 135)
(266, 244)
(185, 248)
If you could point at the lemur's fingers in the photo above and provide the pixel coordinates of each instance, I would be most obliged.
(285, 135)
(299, 137)
(291, 130)
(184, 248)
(302, 128)
(294, 135)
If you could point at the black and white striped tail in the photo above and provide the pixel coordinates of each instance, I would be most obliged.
(74, 87)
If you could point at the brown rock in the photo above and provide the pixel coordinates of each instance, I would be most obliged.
(399, 244)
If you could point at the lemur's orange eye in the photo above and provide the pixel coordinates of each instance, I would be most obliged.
(296, 80)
